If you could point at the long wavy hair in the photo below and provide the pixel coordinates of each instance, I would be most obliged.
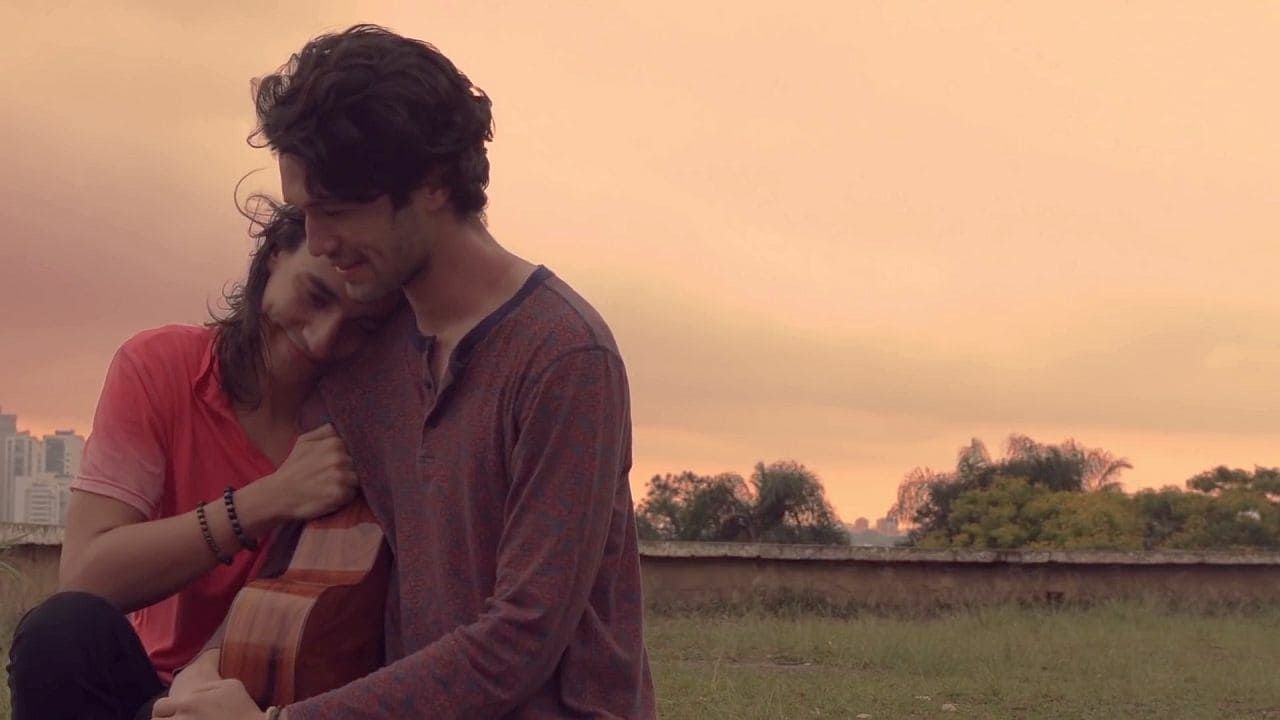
(238, 346)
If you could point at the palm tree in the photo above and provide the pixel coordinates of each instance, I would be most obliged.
(925, 497)
(1102, 470)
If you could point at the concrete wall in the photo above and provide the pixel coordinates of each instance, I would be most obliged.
(691, 575)
(32, 551)
(699, 574)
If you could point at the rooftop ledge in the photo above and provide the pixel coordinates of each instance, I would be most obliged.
(19, 534)
(24, 534)
(830, 553)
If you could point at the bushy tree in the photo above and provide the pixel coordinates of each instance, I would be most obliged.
(784, 503)
(1014, 513)
(927, 499)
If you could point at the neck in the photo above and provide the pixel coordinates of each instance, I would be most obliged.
(469, 275)
(281, 402)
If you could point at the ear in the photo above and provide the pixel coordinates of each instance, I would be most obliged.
(431, 197)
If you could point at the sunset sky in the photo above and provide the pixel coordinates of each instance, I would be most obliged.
(851, 234)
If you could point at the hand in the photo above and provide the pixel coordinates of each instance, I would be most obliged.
(317, 477)
(202, 671)
(221, 700)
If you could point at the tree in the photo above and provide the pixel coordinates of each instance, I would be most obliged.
(1173, 518)
(1014, 513)
(926, 499)
(1085, 521)
(1264, 481)
(986, 517)
(791, 506)
(1068, 466)
(784, 503)
(694, 507)
(1238, 508)
(913, 495)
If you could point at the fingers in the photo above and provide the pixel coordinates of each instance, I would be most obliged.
(164, 708)
(169, 707)
(218, 684)
(345, 472)
(322, 432)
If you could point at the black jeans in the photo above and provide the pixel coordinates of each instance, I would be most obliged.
(76, 657)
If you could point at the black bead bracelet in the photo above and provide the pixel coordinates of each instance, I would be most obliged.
(228, 499)
(208, 536)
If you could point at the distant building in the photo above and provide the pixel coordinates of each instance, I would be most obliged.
(862, 534)
(62, 452)
(43, 499)
(8, 429)
(36, 473)
(24, 459)
(887, 526)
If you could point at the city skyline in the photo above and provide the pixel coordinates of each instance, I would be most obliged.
(67, 448)
(852, 235)
(36, 472)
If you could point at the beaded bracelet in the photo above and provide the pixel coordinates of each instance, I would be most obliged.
(246, 542)
(208, 536)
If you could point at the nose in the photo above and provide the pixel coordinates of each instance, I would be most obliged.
(322, 334)
(320, 242)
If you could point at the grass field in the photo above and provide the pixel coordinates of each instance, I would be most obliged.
(1120, 661)
(1112, 662)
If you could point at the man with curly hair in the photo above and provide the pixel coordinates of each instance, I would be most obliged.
(489, 422)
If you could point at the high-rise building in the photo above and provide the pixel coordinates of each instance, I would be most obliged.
(8, 428)
(62, 452)
(24, 460)
(43, 499)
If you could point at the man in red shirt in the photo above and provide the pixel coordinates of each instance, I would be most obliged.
(489, 423)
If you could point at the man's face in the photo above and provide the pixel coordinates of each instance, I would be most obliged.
(375, 249)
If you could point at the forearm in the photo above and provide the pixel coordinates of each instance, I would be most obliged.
(467, 673)
(138, 564)
(494, 664)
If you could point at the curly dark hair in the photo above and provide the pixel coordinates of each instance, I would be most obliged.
(238, 345)
(373, 113)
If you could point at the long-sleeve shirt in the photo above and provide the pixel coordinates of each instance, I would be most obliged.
(504, 495)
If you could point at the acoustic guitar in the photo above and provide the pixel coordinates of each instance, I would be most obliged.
(317, 626)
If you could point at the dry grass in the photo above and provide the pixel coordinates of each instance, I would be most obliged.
(1117, 661)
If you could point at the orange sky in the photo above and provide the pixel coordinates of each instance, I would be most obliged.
(852, 234)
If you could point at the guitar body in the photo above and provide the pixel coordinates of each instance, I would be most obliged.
(320, 624)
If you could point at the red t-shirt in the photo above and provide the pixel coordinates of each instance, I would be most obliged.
(164, 438)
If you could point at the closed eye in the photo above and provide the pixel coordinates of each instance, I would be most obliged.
(320, 295)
